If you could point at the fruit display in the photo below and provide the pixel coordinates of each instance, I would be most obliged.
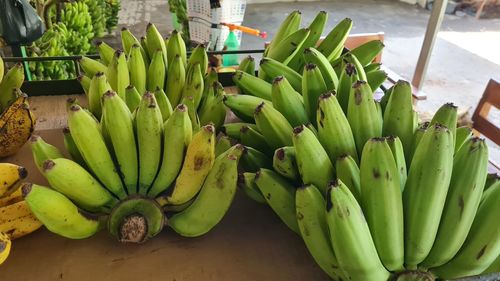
(16, 219)
(16, 120)
(140, 158)
(374, 194)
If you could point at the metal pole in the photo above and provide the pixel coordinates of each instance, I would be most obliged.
(433, 26)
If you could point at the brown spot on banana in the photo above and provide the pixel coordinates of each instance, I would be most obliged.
(481, 252)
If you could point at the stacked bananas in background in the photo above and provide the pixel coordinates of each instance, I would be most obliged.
(179, 7)
(111, 10)
(16, 219)
(16, 120)
(139, 152)
(374, 194)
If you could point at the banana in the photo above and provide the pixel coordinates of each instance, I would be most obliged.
(106, 52)
(14, 197)
(398, 115)
(348, 76)
(463, 134)
(233, 130)
(385, 98)
(84, 82)
(313, 86)
(280, 195)
(121, 134)
(155, 42)
(149, 131)
(290, 25)
(197, 165)
(422, 128)
(447, 116)
(5, 245)
(143, 40)
(334, 131)
(86, 133)
(176, 138)
(348, 172)
(250, 137)
(176, 78)
(42, 151)
(273, 126)
(61, 216)
(288, 102)
(482, 245)
(215, 198)
(312, 160)
(363, 115)
(275, 68)
(132, 98)
(137, 69)
(310, 209)
(368, 51)
(17, 123)
(12, 80)
(129, 40)
(195, 120)
(470, 168)
(350, 58)
(243, 106)
(315, 30)
(198, 55)
(193, 86)
(98, 87)
(252, 85)
(212, 109)
(11, 176)
(253, 160)
(117, 74)
(163, 103)
(287, 48)
(156, 72)
(374, 66)
(382, 203)
(17, 220)
(2, 71)
(492, 179)
(222, 145)
(176, 46)
(399, 156)
(247, 65)
(333, 44)
(90, 66)
(350, 236)
(247, 183)
(70, 145)
(313, 56)
(425, 192)
(376, 78)
(494, 267)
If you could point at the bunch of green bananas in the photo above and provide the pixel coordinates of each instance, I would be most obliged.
(111, 14)
(138, 153)
(179, 7)
(97, 10)
(373, 194)
(80, 31)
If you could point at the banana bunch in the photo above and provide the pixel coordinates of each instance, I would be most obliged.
(373, 194)
(97, 10)
(16, 119)
(112, 9)
(16, 219)
(78, 20)
(179, 7)
(159, 66)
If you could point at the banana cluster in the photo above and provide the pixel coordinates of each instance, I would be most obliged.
(140, 158)
(179, 7)
(16, 219)
(112, 8)
(16, 120)
(373, 193)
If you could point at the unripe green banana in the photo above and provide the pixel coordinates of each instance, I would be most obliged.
(253, 160)
(287, 27)
(12, 80)
(273, 126)
(312, 160)
(149, 132)
(243, 106)
(275, 68)
(176, 46)
(447, 116)
(492, 179)
(482, 245)
(137, 69)
(156, 72)
(363, 115)
(246, 181)
(398, 115)
(376, 78)
(313, 86)
(280, 195)
(193, 86)
(145, 47)
(61, 216)
(494, 267)
(129, 40)
(313, 56)
(117, 74)
(425, 191)
(470, 168)
(43, 151)
(198, 55)
(214, 199)
(222, 145)
(176, 138)
(247, 65)
(132, 98)
(399, 156)
(70, 179)
(154, 42)
(334, 131)
(163, 104)
(287, 48)
(252, 85)
(233, 130)
(195, 120)
(84, 82)
(382, 203)
(350, 236)
(212, 109)
(374, 66)
(287, 101)
(348, 172)
(285, 163)
(70, 145)
(91, 66)
(87, 135)
(310, 208)
(462, 135)
(98, 87)
(368, 51)
(350, 58)
(333, 44)
(252, 138)
(419, 132)
(176, 78)
(348, 76)
(106, 52)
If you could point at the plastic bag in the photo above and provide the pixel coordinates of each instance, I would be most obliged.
(19, 22)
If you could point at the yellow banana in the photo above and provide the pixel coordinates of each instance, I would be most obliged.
(10, 177)
(17, 220)
(4, 247)
(14, 197)
(16, 125)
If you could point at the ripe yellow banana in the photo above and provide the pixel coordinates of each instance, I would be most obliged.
(16, 125)
(16, 220)
(10, 177)
(4, 247)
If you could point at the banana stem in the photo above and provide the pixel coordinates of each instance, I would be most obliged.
(133, 229)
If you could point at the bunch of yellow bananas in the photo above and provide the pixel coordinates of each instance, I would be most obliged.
(16, 219)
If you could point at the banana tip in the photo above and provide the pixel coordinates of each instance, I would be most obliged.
(26, 188)
(48, 165)
(23, 172)
(297, 130)
(34, 138)
(66, 130)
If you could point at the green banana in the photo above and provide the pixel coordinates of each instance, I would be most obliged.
(425, 192)
(198, 55)
(287, 101)
(285, 163)
(398, 153)
(313, 56)
(154, 42)
(280, 195)
(376, 78)
(117, 74)
(273, 126)
(233, 129)
(132, 98)
(252, 138)
(287, 48)
(61, 216)
(247, 65)
(350, 58)
(106, 52)
(163, 104)
(129, 40)
(98, 87)
(333, 44)
(312, 160)
(193, 86)
(447, 116)
(176, 46)
(348, 172)
(91, 66)
(243, 106)
(252, 85)
(12, 80)
(275, 68)
(176, 78)
(494, 267)
(368, 51)
(137, 69)
(313, 86)
(156, 72)
(70, 145)
(463, 134)
(247, 183)
(422, 128)
(222, 145)
(290, 25)
(84, 82)
(374, 66)
(212, 109)
(253, 160)
(43, 151)
(347, 77)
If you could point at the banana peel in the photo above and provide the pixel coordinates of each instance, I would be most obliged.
(17, 123)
